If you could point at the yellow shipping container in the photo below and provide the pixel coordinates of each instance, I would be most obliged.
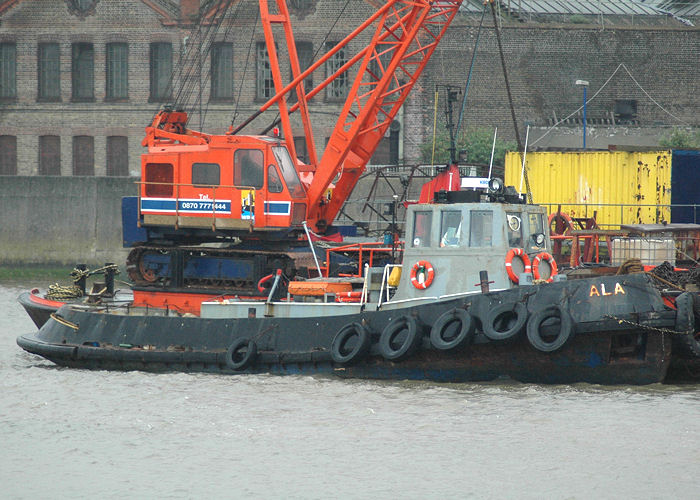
(623, 187)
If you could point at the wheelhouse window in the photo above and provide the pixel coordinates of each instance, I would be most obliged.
(338, 89)
(8, 71)
(159, 180)
(8, 155)
(161, 64)
(422, 222)
(49, 72)
(83, 155)
(265, 86)
(49, 155)
(514, 227)
(481, 228)
(222, 71)
(450, 228)
(206, 174)
(288, 172)
(82, 71)
(117, 156)
(274, 183)
(536, 227)
(248, 168)
(117, 68)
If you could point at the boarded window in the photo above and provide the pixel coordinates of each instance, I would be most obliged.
(207, 174)
(305, 54)
(82, 71)
(117, 156)
(161, 62)
(248, 168)
(49, 155)
(83, 155)
(265, 86)
(159, 179)
(117, 68)
(49, 72)
(8, 71)
(337, 90)
(222, 72)
(8, 155)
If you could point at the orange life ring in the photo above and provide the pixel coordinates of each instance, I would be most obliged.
(427, 270)
(512, 253)
(536, 265)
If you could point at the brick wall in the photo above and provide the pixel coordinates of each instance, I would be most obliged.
(543, 63)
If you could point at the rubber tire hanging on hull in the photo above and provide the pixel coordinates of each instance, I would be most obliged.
(410, 342)
(463, 337)
(358, 352)
(496, 316)
(534, 328)
(687, 313)
(233, 361)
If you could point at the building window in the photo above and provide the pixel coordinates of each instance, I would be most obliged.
(49, 155)
(117, 67)
(305, 54)
(337, 90)
(117, 156)
(82, 70)
(83, 155)
(8, 155)
(8, 71)
(222, 72)
(265, 86)
(161, 58)
(49, 72)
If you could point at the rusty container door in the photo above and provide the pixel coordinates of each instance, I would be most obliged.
(621, 187)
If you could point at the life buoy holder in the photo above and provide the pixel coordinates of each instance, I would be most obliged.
(263, 286)
(536, 266)
(520, 253)
(422, 267)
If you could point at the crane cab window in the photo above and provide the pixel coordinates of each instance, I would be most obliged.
(274, 184)
(206, 174)
(421, 228)
(248, 168)
(288, 172)
(159, 179)
(481, 228)
(450, 228)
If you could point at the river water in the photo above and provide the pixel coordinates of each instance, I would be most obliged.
(67, 433)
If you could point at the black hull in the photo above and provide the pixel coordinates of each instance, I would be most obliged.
(603, 351)
(39, 313)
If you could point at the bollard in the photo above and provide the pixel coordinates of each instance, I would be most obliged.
(484, 281)
(109, 278)
(82, 281)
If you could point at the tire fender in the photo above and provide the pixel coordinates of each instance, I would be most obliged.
(410, 342)
(347, 357)
(234, 359)
(534, 328)
(463, 337)
(494, 327)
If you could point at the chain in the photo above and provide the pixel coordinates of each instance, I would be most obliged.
(646, 327)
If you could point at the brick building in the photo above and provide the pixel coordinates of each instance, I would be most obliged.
(79, 79)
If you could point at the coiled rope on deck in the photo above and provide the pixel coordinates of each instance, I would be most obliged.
(66, 292)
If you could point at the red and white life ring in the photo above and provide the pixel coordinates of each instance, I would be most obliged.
(520, 253)
(422, 267)
(536, 266)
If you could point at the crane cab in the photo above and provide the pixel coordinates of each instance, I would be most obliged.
(230, 183)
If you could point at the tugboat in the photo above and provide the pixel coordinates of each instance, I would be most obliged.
(465, 309)
(478, 296)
